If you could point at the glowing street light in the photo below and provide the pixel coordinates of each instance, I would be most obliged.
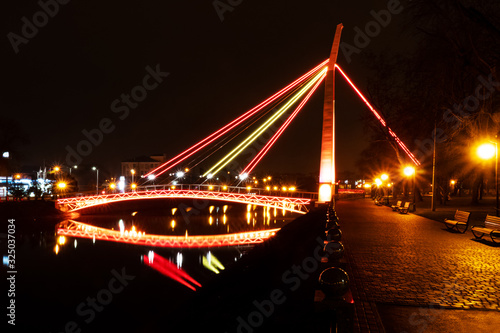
(378, 182)
(61, 185)
(409, 170)
(112, 186)
(486, 151)
(133, 186)
(97, 181)
(384, 177)
(57, 169)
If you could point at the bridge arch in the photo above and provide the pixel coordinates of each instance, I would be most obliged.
(290, 204)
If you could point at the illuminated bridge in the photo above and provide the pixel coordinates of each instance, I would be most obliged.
(291, 204)
(237, 138)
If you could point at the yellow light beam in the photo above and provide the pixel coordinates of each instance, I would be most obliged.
(236, 151)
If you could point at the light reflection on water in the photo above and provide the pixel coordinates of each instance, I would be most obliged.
(181, 220)
(176, 221)
(69, 261)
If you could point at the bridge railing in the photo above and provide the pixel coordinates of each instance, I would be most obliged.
(233, 189)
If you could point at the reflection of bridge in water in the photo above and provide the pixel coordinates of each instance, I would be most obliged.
(296, 202)
(72, 228)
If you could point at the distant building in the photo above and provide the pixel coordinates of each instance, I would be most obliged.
(141, 165)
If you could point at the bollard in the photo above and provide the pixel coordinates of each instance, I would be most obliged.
(334, 234)
(334, 282)
(334, 250)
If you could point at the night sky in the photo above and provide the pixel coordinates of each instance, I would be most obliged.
(65, 78)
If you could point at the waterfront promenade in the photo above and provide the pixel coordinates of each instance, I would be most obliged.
(409, 274)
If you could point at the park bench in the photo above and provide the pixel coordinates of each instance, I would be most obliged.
(491, 227)
(378, 200)
(381, 201)
(405, 208)
(397, 205)
(461, 220)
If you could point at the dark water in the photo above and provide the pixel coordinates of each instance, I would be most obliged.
(99, 286)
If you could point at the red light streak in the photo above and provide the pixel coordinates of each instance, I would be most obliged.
(280, 131)
(214, 136)
(165, 267)
(382, 121)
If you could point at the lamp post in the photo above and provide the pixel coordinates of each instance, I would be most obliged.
(97, 184)
(410, 171)
(486, 152)
(384, 177)
(378, 182)
(133, 173)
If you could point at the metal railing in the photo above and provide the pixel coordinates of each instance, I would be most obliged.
(233, 189)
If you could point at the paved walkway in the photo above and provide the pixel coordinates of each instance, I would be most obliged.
(412, 275)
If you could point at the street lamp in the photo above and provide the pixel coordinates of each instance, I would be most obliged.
(133, 173)
(97, 184)
(410, 171)
(486, 151)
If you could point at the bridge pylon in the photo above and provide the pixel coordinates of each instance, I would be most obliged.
(327, 178)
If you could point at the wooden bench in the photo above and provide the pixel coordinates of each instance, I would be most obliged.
(404, 209)
(491, 227)
(460, 221)
(397, 205)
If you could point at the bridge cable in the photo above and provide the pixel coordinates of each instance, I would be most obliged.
(236, 151)
(203, 143)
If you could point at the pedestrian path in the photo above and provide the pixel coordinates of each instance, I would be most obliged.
(416, 271)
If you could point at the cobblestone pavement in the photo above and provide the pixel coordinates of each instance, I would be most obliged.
(408, 260)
